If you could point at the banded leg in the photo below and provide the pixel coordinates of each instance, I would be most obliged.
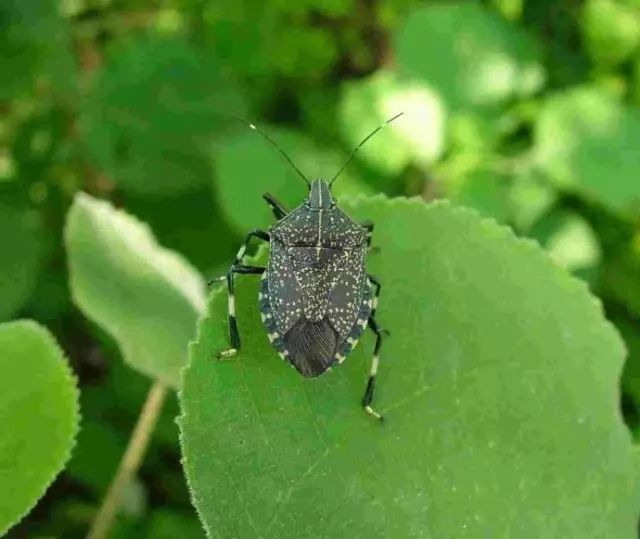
(260, 234)
(368, 226)
(237, 267)
(234, 334)
(371, 383)
(374, 302)
(276, 207)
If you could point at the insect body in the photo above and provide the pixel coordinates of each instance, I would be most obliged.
(316, 298)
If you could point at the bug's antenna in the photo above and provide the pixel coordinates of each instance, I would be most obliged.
(275, 145)
(361, 144)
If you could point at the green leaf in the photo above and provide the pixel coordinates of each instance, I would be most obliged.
(584, 141)
(469, 54)
(146, 297)
(417, 137)
(20, 237)
(38, 416)
(499, 385)
(150, 114)
(248, 166)
(611, 30)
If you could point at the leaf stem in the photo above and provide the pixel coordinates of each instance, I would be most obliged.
(130, 461)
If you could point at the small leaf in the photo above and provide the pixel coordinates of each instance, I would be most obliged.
(585, 141)
(469, 54)
(38, 416)
(146, 297)
(499, 384)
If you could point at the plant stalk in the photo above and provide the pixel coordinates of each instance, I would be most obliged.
(130, 461)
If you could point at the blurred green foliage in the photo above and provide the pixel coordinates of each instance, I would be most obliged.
(526, 110)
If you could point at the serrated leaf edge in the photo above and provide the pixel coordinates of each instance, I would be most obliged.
(72, 379)
(491, 227)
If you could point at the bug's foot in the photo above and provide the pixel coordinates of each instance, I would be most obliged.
(227, 354)
(373, 413)
(211, 282)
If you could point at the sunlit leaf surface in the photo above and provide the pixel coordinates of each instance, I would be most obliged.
(498, 384)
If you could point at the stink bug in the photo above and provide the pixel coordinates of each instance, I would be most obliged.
(316, 298)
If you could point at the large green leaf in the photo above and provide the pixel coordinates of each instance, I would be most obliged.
(585, 141)
(150, 113)
(499, 384)
(146, 297)
(19, 257)
(38, 416)
(469, 54)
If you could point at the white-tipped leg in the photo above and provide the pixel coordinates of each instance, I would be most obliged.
(372, 412)
(234, 335)
(373, 371)
(227, 354)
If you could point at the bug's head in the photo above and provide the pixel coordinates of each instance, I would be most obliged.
(320, 196)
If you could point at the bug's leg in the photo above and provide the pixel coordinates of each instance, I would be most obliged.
(368, 226)
(276, 207)
(257, 233)
(237, 267)
(376, 293)
(234, 334)
(371, 383)
(380, 334)
(260, 234)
